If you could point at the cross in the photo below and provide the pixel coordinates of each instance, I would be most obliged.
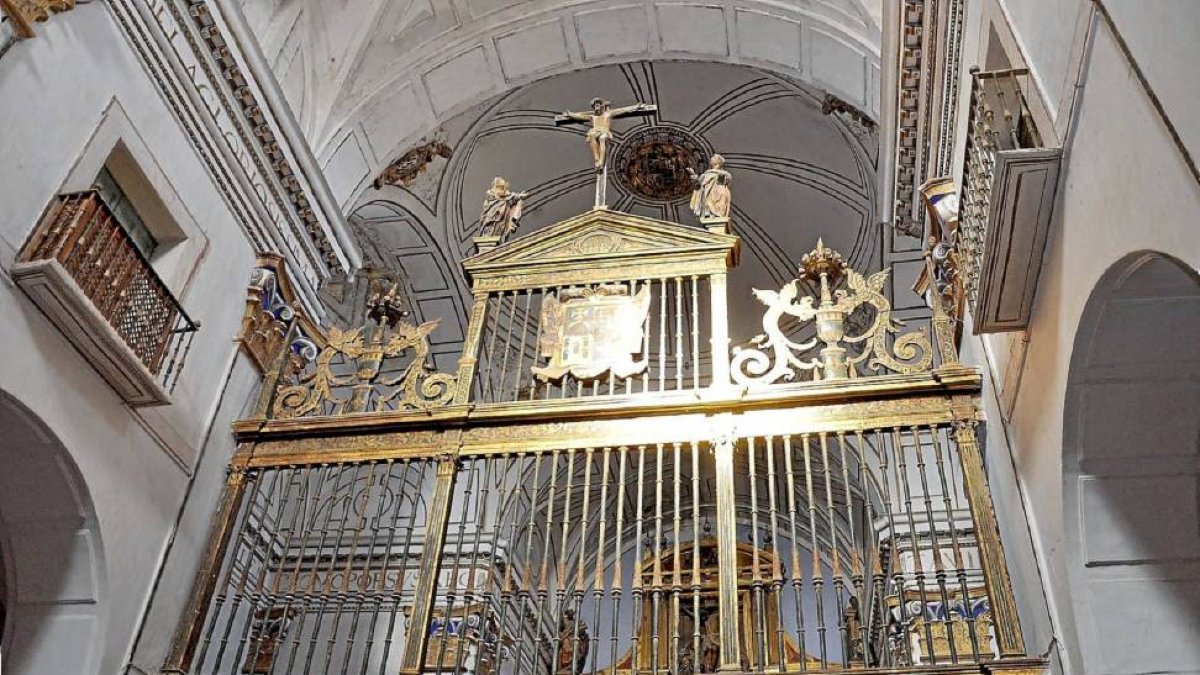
(601, 118)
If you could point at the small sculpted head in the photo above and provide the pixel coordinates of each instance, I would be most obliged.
(716, 161)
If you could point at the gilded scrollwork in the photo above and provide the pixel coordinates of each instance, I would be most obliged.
(380, 366)
(879, 348)
(355, 373)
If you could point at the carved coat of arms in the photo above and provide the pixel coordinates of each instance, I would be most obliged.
(590, 331)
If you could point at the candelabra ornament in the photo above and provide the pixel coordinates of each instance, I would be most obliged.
(363, 369)
(879, 348)
(600, 133)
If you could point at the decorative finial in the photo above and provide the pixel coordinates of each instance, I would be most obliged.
(822, 261)
(385, 307)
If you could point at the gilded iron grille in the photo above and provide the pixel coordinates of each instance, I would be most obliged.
(659, 329)
(320, 571)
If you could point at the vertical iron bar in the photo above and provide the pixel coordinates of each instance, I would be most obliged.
(471, 470)
(959, 567)
(662, 335)
(398, 587)
(776, 565)
(939, 570)
(838, 580)
(521, 352)
(656, 597)
(678, 333)
(695, 333)
(638, 606)
(526, 589)
(797, 569)
(385, 563)
(756, 579)
(676, 579)
(903, 485)
(817, 573)
(894, 547)
(598, 578)
(618, 580)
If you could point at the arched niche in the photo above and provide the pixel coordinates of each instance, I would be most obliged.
(1131, 470)
(51, 551)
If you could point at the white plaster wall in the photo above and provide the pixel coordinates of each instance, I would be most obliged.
(1124, 187)
(54, 90)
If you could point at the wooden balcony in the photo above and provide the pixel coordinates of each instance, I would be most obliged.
(85, 274)
(1009, 180)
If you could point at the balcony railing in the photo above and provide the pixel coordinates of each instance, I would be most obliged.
(1009, 181)
(84, 271)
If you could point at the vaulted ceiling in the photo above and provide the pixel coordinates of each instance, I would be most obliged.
(751, 79)
(368, 78)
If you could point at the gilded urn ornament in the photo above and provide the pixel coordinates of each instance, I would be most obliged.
(880, 348)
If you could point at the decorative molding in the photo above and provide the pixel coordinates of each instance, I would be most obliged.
(926, 102)
(192, 62)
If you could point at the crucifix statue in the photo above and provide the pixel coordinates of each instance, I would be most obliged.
(601, 118)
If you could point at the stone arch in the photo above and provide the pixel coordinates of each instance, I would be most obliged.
(1131, 470)
(50, 549)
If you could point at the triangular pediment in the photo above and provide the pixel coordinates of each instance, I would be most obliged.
(603, 235)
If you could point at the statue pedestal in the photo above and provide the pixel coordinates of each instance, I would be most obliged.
(483, 244)
(716, 225)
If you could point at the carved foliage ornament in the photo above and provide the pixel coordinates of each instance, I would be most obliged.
(831, 353)
(24, 13)
(363, 370)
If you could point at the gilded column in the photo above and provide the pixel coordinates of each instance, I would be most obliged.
(987, 534)
(187, 635)
(431, 562)
(470, 353)
(720, 330)
(727, 569)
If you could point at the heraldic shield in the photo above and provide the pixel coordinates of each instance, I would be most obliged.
(590, 331)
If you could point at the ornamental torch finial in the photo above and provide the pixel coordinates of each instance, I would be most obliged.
(822, 261)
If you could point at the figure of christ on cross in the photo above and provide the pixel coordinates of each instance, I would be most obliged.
(601, 119)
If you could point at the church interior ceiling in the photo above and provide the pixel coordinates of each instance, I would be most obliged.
(798, 173)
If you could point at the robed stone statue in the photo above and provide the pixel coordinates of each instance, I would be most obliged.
(501, 209)
(712, 199)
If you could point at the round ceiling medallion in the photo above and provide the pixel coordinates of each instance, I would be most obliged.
(652, 162)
